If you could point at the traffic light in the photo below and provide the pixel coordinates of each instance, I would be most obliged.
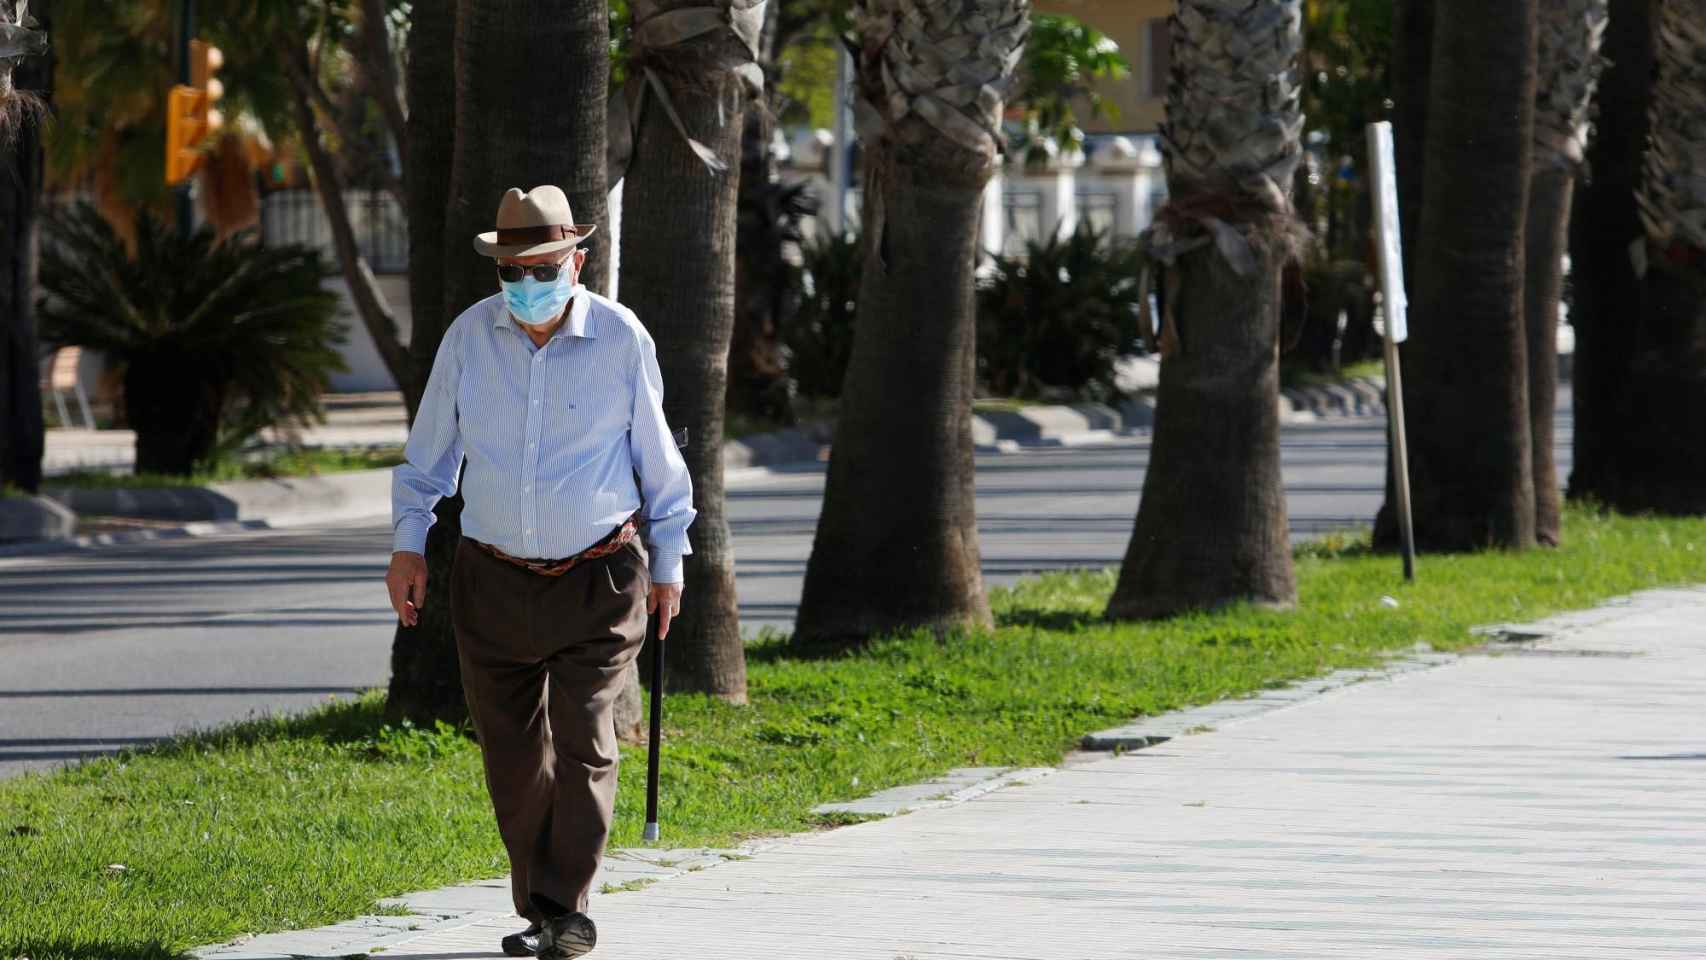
(190, 116)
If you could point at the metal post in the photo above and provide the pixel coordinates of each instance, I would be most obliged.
(1383, 169)
(840, 173)
(181, 192)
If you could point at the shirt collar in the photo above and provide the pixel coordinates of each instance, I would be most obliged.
(579, 324)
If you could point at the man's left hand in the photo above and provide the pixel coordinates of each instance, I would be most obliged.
(665, 604)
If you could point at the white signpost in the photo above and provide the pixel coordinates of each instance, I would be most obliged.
(1384, 179)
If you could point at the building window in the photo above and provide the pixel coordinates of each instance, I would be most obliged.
(1157, 41)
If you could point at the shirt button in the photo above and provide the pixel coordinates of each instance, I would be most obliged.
(539, 358)
(526, 489)
(530, 531)
(536, 403)
(532, 445)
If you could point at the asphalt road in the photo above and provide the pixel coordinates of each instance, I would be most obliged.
(104, 648)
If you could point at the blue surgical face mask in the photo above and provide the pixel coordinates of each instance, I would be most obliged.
(538, 304)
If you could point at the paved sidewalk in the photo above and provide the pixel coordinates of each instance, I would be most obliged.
(1546, 801)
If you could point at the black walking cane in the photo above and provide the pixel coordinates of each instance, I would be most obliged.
(652, 741)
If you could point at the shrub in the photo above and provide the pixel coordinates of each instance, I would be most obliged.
(820, 338)
(217, 339)
(1053, 322)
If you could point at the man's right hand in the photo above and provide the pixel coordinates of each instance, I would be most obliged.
(407, 583)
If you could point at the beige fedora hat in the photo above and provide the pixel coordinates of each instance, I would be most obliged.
(538, 221)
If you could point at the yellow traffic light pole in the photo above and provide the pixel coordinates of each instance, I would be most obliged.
(190, 116)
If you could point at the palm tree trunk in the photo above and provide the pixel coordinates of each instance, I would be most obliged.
(21, 429)
(1672, 363)
(1659, 455)
(425, 673)
(511, 57)
(757, 360)
(1412, 72)
(1211, 527)
(430, 134)
(1641, 336)
(1467, 382)
(1569, 35)
(1547, 231)
(678, 270)
(897, 543)
(1605, 289)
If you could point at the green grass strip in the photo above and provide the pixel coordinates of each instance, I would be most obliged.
(304, 821)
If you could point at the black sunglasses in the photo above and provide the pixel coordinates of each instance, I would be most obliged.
(542, 272)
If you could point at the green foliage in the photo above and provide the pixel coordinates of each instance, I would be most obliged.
(115, 59)
(1346, 86)
(820, 339)
(1063, 58)
(806, 78)
(302, 821)
(244, 329)
(407, 743)
(621, 41)
(1052, 322)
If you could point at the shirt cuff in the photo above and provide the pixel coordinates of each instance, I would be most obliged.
(410, 535)
(666, 566)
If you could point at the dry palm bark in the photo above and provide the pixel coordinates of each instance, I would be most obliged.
(693, 71)
(1466, 377)
(1568, 64)
(1640, 271)
(21, 160)
(1211, 527)
(897, 544)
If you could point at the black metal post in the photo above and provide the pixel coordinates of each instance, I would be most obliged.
(181, 192)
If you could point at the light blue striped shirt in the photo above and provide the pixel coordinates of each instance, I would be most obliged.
(553, 436)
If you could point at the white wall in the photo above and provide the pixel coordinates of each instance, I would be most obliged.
(367, 373)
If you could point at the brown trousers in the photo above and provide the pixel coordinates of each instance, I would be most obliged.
(542, 662)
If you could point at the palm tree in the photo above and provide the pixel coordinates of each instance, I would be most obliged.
(21, 436)
(218, 340)
(1467, 382)
(692, 72)
(1639, 312)
(1605, 290)
(1211, 527)
(528, 108)
(1671, 365)
(426, 676)
(1568, 34)
(897, 544)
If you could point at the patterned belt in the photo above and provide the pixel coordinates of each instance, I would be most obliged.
(616, 540)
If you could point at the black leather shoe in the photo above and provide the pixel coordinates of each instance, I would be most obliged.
(566, 936)
(523, 944)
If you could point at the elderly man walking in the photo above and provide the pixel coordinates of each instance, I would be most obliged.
(551, 396)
